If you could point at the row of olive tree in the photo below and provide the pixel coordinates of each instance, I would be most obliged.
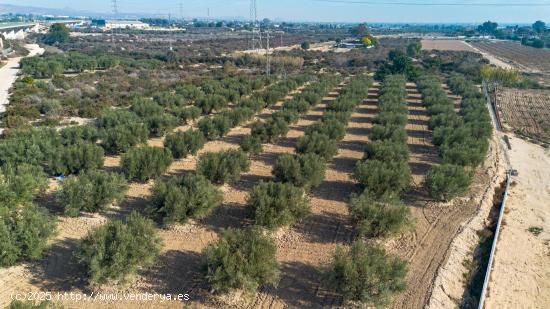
(366, 273)
(454, 135)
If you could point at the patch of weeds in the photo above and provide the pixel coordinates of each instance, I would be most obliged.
(535, 230)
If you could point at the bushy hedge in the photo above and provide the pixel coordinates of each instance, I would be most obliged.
(241, 260)
(144, 163)
(91, 191)
(182, 144)
(24, 233)
(367, 274)
(118, 249)
(447, 181)
(223, 167)
(305, 170)
(181, 198)
(274, 204)
(377, 216)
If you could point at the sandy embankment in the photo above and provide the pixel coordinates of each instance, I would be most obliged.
(521, 271)
(8, 74)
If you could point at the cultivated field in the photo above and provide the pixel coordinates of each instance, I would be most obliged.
(525, 58)
(441, 44)
(526, 112)
(149, 120)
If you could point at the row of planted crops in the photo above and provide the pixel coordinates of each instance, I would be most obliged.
(462, 138)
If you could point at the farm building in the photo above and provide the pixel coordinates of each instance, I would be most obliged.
(125, 24)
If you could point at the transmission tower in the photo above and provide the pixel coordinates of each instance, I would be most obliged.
(181, 11)
(115, 7)
(256, 40)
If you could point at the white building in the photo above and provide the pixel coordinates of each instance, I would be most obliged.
(125, 24)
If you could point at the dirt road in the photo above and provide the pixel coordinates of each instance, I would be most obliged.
(8, 74)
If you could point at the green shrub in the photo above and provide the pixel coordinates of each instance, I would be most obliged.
(318, 144)
(123, 137)
(187, 114)
(241, 260)
(146, 108)
(24, 233)
(270, 130)
(17, 304)
(211, 103)
(76, 134)
(223, 167)
(181, 198)
(91, 191)
(182, 144)
(305, 170)
(447, 181)
(118, 249)
(332, 128)
(377, 217)
(275, 204)
(367, 274)
(81, 157)
(214, 127)
(379, 177)
(144, 163)
(387, 150)
(113, 118)
(251, 145)
(20, 183)
(159, 124)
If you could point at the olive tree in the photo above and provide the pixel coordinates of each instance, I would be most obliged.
(144, 163)
(447, 181)
(118, 249)
(181, 198)
(304, 170)
(91, 191)
(182, 144)
(377, 217)
(241, 260)
(223, 167)
(367, 274)
(275, 204)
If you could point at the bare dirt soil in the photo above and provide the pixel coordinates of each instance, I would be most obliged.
(521, 273)
(441, 44)
(525, 110)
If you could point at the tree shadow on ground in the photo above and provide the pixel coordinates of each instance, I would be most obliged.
(343, 164)
(338, 191)
(228, 215)
(304, 286)
(59, 270)
(326, 228)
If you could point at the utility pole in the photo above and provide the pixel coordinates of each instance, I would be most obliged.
(113, 30)
(282, 60)
(267, 55)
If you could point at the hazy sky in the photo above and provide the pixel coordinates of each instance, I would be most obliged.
(314, 10)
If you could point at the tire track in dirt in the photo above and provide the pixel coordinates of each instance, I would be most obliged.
(427, 247)
(308, 245)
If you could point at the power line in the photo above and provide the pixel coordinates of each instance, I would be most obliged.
(437, 3)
